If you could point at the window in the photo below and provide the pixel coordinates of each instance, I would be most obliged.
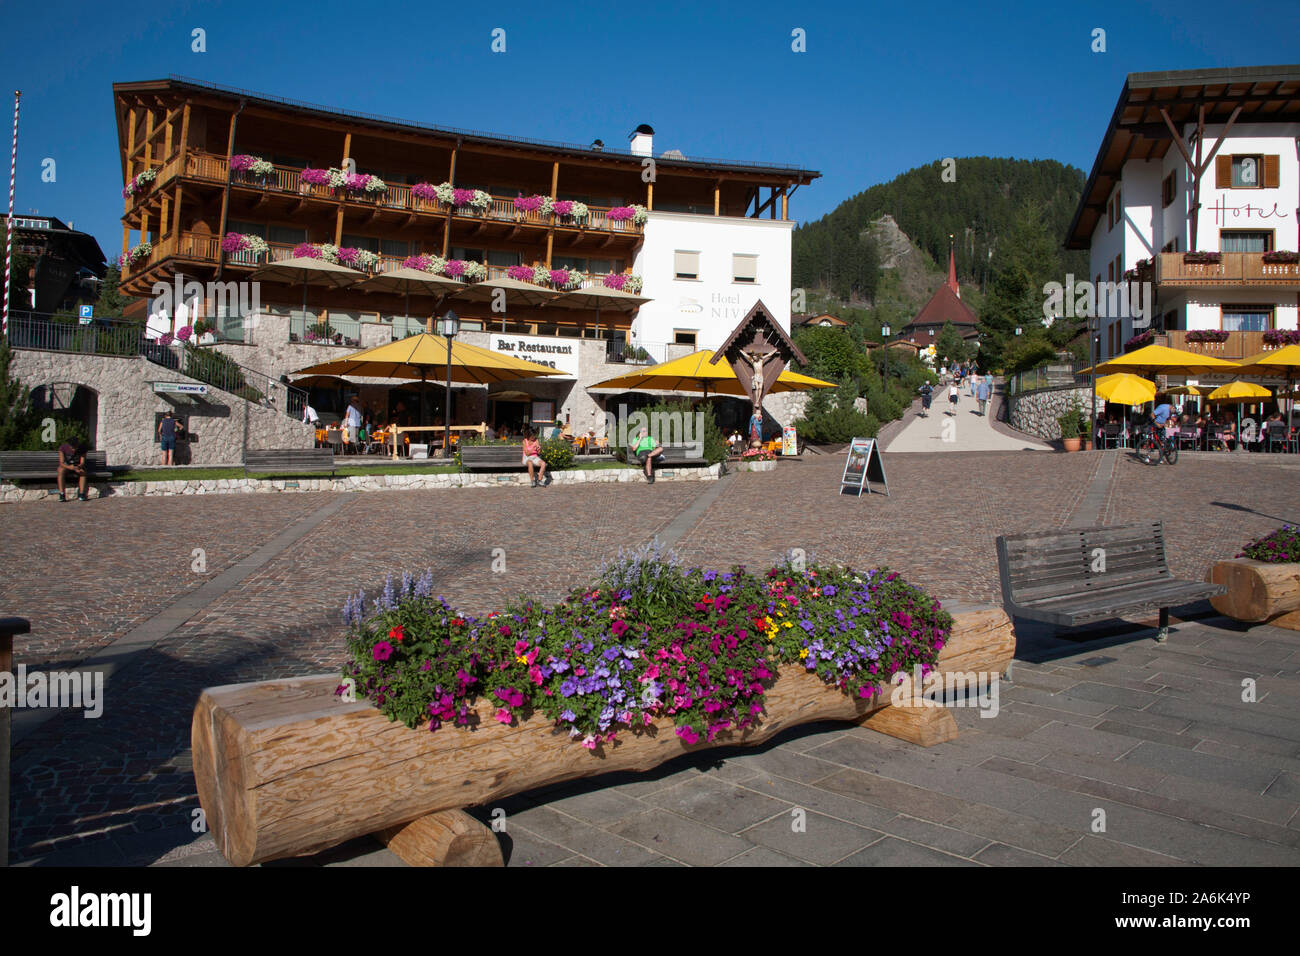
(398, 248)
(473, 255)
(592, 266)
(1242, 240)
(1169, 189)
(684, 336)
(285, 235)
(1246, 172)
(686, 265)
(1110, 273)
(1114, 211)
(1247, 318)
(744, 268)
(246, 228)
(504, 259)
(1119, 268)
(369, 243)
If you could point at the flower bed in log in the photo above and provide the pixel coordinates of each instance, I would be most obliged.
(648, 639)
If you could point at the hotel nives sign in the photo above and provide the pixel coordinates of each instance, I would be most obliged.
(557, 353)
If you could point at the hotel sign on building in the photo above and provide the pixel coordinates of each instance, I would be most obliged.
(557, 353)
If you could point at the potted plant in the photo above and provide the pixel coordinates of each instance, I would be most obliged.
(1072, 425)
(1262, 581)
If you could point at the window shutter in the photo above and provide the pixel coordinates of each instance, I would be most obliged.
(686, 264)
(744, 268)
(1223, 172)
(1271, 171)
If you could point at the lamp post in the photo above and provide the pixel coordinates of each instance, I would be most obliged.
(1094, 345)
(884, 332)
(448, 325)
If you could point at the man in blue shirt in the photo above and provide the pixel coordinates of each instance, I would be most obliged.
(1163, 410)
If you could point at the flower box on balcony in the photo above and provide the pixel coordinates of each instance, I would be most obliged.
(1281, 257)
(1207, 337)
(1139, 340)
(1202, 258)
(1279, 337)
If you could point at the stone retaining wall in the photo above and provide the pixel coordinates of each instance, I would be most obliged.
(1035, 412)
(224, 486)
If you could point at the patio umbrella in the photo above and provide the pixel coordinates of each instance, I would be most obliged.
(416, 356)
(1283, 362)
(1124, 388)
(321, 381)
(695, 373)
(516, 292)
(406, 281)
(1162, 360)
(309, 271)
(1238, 393)
(598, 297)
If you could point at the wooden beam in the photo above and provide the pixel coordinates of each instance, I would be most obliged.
(448, 838)
(649, 195)
(717, 199)
(451, 178)
(176, 210)
(1222, 136)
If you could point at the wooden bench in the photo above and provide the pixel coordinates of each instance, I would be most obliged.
(491, 457)
(289, 461)
(677, 455)
(1075, 577)
(44, 465)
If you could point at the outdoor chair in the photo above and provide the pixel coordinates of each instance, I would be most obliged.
(1110, 436)
(1277, 436)
(1188, 436)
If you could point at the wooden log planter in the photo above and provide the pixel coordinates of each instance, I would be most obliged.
(1258, 591)
(285, 768)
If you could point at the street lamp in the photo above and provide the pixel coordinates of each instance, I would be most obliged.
(448, 326)
(884, 331)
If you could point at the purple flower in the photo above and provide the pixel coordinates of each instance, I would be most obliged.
(382, 651)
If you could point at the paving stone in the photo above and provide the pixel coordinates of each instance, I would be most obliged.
(1241, 717)
(1070, 739)
(779, 762)
(1146, 733)
(582, 838)
(528, 849)
(1235, 752)
(820, 800)
(1145, 718)
(1014, 829)
(1095, 851)
(577, 861)
(945, 838)
(1111, 694)
(891, 852)
(824, 840)
(599, 807)
(675, 836)
(1059, 701)
(892, 794)
(1130, 776)
(1046, 715)
(717, 803)
(1249, 776)
(1285, 787)
(999, 854)
(763, 856)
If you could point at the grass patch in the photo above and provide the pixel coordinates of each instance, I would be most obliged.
(342, 471)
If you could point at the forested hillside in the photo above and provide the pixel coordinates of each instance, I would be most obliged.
(986, 205)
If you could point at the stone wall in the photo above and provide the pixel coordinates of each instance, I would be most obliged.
(234, 486)
(1036, 412)
(126, 407)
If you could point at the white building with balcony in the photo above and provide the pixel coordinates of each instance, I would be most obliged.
(1196, 190)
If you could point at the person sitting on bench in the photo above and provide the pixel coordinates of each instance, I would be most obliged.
(72, 461)
(647, 449)
(533, 459)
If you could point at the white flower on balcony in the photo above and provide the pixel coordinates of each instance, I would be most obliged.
(261, 167)
(445, 192)
(481, 199)
(475, 271)
(367, 260)
(640, 215)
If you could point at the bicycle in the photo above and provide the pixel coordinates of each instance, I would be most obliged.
(1153, 446)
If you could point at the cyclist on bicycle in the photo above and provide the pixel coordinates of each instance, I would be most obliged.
(1163, 412)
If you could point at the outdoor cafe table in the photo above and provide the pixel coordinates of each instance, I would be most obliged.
(405, 429)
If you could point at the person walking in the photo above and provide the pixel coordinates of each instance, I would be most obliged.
(982, 394)
(352, 422)
(953, 392)
(927, 393)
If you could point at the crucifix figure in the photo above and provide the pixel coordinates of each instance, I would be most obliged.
(758, 360)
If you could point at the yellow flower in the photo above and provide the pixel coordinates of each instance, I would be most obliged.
(520, 659)
(788, 624)
(803, 653)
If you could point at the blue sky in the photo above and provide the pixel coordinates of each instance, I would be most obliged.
(881, 88)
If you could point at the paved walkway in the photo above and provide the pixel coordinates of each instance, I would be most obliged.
(965, 429)
(1155, 735)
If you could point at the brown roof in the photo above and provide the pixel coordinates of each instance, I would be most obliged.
(810, 319)
(944, 306)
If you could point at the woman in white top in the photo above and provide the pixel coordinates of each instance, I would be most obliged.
(953, 392)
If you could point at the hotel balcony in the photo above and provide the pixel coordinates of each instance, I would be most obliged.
(1226, 270)
(1237, 346)
(284, 183)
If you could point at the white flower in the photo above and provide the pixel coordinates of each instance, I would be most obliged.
(366, 259)
(255, 244)
(328, 252)
(548, 206)
(481, 199)
(542, 275)
(444, 191)
(376, 185)
(632, 284)
(580, 210)
(641, 214)
(261, 167)
(336, 177)
(436, 265)
(474, 271)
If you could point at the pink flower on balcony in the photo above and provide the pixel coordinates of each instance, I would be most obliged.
(614, 281)
(528, 203)
(242, 162)
(234, 242)
(315, 177)
(559, 278)
(620, 213)
(426, 191)
(461, 197)
(521, 273)
(305, 250)
(455, 269)
(183, 333)
(563, 207)
(420, 263)
(166, 339)
(355, 182)
(348, 256)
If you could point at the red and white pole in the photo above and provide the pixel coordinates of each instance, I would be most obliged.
(9, 223)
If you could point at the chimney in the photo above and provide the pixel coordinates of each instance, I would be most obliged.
(643, 138)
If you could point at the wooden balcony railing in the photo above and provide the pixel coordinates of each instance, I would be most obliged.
(1234, 269)
(1238, 346)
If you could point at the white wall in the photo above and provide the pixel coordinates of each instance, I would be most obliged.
(714, 304)
(1270, 139)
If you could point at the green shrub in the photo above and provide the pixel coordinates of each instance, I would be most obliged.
(557, 453)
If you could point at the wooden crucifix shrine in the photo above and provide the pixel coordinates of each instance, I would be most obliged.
(758, 350)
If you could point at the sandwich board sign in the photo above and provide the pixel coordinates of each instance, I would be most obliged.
(863, 466)
(789, 441)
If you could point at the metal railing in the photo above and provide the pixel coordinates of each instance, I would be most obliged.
(331, 330)
(43, 332)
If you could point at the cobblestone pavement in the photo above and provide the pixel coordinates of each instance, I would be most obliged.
(1157, 735)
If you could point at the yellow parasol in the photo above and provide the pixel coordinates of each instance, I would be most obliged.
(1124, 388)
(694, 373)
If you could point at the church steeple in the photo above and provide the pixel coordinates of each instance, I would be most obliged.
(952, 270)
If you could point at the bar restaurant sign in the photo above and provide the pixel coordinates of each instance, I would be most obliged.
(557, 353)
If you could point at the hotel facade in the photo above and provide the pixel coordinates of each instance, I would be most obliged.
(1195, 195)
(220, 182)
